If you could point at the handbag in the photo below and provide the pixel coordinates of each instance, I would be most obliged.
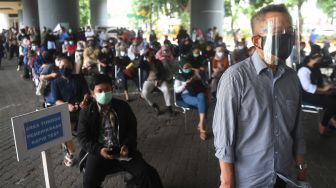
(195, 86)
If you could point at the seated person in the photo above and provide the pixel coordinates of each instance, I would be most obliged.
(165, 55)
(90, 57)
(49, 71)
(126, 70)
(197, 61)
(156, 78)
(219, 64)
(186, 81)
(107, 130)
(314, 92)
(72, 89)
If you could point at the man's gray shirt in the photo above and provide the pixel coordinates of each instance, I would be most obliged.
(257, 123)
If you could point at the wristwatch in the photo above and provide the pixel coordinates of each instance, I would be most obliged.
(302, 166)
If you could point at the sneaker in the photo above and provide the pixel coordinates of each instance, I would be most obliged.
(68, 160)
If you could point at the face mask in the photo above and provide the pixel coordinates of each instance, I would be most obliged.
(66, 72)
(65, 43)
(240, 47)
(122, 53)
(104, 98)
(195, 55)
(186, 71)
(220, 54)
(34, 48)
(71, 42)
(284, 45)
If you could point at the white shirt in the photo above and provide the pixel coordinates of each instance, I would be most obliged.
(305, 80)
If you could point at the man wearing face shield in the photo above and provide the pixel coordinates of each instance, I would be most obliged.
(257, 133)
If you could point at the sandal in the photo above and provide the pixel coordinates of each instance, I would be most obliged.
(68, 160)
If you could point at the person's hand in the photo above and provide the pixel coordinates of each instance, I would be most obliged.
(226, 185)
(327, 88)
(124, 151)
(188, 81)
(104, 152)
(83, 104)
(71, 108)
(54, 75)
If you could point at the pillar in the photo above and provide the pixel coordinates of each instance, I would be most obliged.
(20, 15)
(207, 14)
(52, 12)
(98, 10)
(30, 13)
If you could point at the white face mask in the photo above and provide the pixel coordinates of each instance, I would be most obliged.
(34, 48)
(122, 53)
(71, 42)
(220, 54)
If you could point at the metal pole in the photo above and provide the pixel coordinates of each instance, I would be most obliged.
(47, 169)
(209, 69)
(139, 74)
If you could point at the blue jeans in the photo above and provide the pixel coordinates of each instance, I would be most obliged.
(197, 101)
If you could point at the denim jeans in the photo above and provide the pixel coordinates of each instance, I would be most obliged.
(197, 101)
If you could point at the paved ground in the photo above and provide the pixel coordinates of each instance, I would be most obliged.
(182, 160)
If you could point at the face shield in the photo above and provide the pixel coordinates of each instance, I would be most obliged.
(277, 40)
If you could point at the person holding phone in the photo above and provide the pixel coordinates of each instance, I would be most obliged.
(107, 130)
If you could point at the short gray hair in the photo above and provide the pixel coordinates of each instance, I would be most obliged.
(260, 15)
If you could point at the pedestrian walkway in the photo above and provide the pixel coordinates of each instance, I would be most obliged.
(181, 158)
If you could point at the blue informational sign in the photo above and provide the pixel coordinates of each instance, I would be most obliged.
(43, 130)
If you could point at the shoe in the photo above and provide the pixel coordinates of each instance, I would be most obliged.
(156, 109)
(18, 69)
(68, 160)
(170, 111)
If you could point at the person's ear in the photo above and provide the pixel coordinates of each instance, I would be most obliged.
(256, 41)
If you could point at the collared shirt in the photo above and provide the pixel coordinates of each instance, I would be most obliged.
(257, 122)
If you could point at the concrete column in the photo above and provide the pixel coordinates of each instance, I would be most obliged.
(207, 14)
(98, 13)
(20, 15)
(30, 13)
(52, 12)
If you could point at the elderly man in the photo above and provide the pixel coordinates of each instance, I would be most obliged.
(257, 131)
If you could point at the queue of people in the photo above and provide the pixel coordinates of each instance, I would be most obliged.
(257, 133)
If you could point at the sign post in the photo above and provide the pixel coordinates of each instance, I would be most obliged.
(38, 131)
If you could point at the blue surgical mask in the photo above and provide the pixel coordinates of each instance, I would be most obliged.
(66, 72)
(104, 98)
(195, 55)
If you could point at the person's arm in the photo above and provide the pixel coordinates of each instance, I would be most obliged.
(225, 123)
(179, 86)
(84, 134)
(227, 174)
(299, 146)
(48, 76)
(130, 140)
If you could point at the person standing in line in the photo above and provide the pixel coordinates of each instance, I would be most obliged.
(258, 136)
